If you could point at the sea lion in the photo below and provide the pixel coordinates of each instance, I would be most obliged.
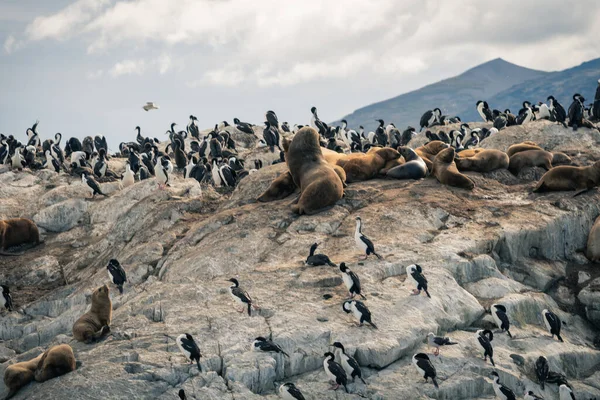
(530, 158)
(593, 243)
(523, 146)
(369, 165)
(320, 184)
(566, 177)
(56, 361)
(487, 160)
(428, 151)
(20, 374)
(469, 152)
(559, 158)
(279, 189)
(94, 324)
(16, 231)
(413, 168)
(444, 169)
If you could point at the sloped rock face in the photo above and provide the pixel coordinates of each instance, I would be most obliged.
(497, 244)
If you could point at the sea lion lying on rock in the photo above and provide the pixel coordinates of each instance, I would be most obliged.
(413, 168)
(558, 158)
(16, 231)
(486, 160)
(566, 177)
(20, 374)
(444, 169)
(320, 183)
(368, 165)
(428, 151)
(530, 158)
(469, 152)
(94, 324)
(56, 361)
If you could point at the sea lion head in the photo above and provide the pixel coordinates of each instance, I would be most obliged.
(436, 146)
(101, 293)
(446, 156)
(388, 154)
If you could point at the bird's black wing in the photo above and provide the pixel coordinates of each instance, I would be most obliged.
(487, 346)
(420, 278)
(227, 175)
(426, 366)
(295, 392)
(367, 241)
(488, 114)
(241, 294)
(440, 341)
(355, 281)
(510, 395)
(504, 318)
(119, 271)
(337, 370)
(94, 185)
(267, 345)
(191, 347)
(425, 118)
(363, 310)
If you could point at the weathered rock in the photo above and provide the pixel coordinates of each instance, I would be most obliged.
(62, 216)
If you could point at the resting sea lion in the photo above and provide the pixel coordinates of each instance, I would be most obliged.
(444, 169)
(56, 361)
(20, 374)
(428, 151)
(320, 184)
(94, 324)
(279, 189)
(559, 158)
(369, 165)
(469, 152)
(484, 161)
(530, 158)
(413, 168)
(16, 231)
(593, 243)
(523, 146)
(566, 177)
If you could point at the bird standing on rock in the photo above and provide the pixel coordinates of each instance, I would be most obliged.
(500, 318)
(116, 274)
(359, 310)
(502, 392)
(92, 185)
(415, 272)
(349, 364)
(289, 391)
(189, 348)
(240, 296)
(438, 341)
(363, 243)
(6, 299)
(267, 346)
(335, 372)
(485, 337)
(553, 323)
(316, 260)
(425, 367)
(351, 281)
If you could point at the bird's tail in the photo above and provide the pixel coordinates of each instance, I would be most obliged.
(542, 385)
(377, 255)
(285, 354)
(120, 287)
(559, 337)
(249, 309)
(363, 296)
(492, 361)
(272, 148)
(427, 293)
(509, 335)
(346, 388)
(363, 381)
(198, 362)
(451, 343)
(435, 382)
(331, 264)
(373, 325)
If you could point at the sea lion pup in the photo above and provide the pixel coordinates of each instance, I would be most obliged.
(413, 168)
(487, 160)
(523, 146)
(428, 151)
(20, 374)
(94, 324)
(444, 169)
(320, 184)
(56, 361)
(530, 158)
(566, 177)
(368, 166)
(279, 189)
(16, 231)
(593, 243)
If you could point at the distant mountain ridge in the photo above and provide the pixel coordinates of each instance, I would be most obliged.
(499, 82)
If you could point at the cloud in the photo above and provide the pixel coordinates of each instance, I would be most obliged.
(97, 74)
(10, 44)
(128, 67)
(164, 64)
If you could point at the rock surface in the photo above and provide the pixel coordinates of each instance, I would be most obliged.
(497, 244)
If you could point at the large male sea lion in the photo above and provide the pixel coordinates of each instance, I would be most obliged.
(484, 161)
(566, 177)
(20, 374)
(16, 231)
(530, 158)
(94, 324)
(320, 184)
(428, 151)
(56, 361)
(413, 168)
(444, 169)
(369, 165)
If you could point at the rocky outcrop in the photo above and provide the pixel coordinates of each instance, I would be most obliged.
(496, 244)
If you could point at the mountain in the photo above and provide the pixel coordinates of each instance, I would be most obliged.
(452, 95)
(562, 85)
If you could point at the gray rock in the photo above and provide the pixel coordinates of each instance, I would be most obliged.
(62, 216)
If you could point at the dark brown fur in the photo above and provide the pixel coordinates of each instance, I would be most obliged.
(566, 177)
(20, 374)
(559, 158)
(483, 161)
(56, 361)
(320, 184)
(428, 151)
(368, 166)
(16, 231)
(444, 169)
(94, 324)
(530, 158)
(279, 189)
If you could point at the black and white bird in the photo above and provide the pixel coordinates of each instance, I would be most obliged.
(285, 127)
(163, 169)
(438, 341)
(565, 393)
(529, 395)
(557, 111)
(272, 119)
(576, 111)
(271, 136)
(351, 281)
(101, 164)
(349, 364)
(430, 118)
(189, 348)
(116, 274)
(6, 299)
(93, 186)
(425, 367)
(542, 369)
(543, 112)
(222, 175)
(484, 111)
(364, 244)
(415, 272)
(359, 310)
(192, 128)
(240, 296)
(502, 392)
(553, 323)
(267, 346)
(500, 318)
(289, 391)
(317, 124)
(526, 114)
(334, 371)
(243, 126)
(485, 337)
(182, 395)
(33, 138)
(51, 162)
(315, 260)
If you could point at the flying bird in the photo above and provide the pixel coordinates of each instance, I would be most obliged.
(150, 106)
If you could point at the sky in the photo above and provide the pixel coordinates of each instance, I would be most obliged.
(87, 67)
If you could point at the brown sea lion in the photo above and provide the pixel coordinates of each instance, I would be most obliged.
(94, 324)
(428, 151)
(559, 158)
(566, 177)
(593, 243)
(487, 160)
(16, 231)
(320, 185)
(369, 165)
(469, 152)
(279, 189)
(530, 158)
(444, 169)
(523, 146)
(20, 374)
(56, 361)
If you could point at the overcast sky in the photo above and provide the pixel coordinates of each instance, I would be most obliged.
(87, 66)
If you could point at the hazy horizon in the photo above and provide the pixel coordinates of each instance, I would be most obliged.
(87, 67)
